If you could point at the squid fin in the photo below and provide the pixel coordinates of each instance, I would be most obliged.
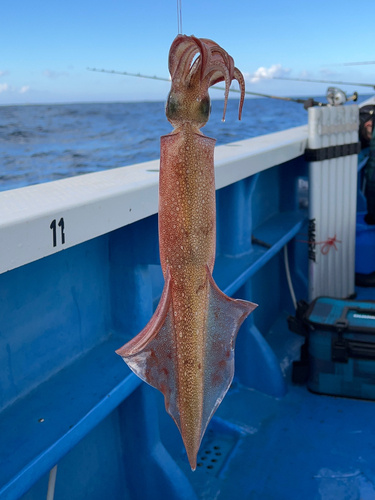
(224, 319)
(151, 355)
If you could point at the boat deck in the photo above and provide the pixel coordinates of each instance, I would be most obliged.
(303, 445)
(66, 399)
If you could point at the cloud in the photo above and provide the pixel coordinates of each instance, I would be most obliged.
(328, 72)
(54, 74)
(305, 74)
(3, 73)
(4, 87)
(267, 73)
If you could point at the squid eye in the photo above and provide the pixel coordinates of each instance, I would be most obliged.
(171, 107)
(205, 108)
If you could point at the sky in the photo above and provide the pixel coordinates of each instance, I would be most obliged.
(46, 45)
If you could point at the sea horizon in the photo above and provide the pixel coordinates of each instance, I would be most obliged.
(46, 142)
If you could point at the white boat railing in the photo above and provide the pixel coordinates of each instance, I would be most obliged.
(40, 220)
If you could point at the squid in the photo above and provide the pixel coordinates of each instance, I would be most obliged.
(186, 351)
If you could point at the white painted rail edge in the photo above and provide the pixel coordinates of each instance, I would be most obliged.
(95, 204)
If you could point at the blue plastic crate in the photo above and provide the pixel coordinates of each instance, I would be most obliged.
(365, 246)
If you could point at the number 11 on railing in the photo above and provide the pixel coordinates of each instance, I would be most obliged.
(61, 225)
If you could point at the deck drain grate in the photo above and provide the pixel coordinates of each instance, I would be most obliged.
(215, 450)
(219, 442)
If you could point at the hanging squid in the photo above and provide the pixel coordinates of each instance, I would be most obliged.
(186, 351)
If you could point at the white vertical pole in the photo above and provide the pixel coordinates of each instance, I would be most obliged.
(51, 483)
(332, 202)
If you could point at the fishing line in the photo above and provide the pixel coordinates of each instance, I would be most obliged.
(322, 81)
(129, 74)
(351, 63)
(179, 17)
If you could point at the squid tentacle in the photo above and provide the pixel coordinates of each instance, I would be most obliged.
(205, 55)
(219, 53)
(237, 75)
(213, 65)
(180, 56)
(220, 67)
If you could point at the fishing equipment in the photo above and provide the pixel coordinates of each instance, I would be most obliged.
(340, 347)
(306, 102)
(371, 85)
(351, 63)
(336, 96)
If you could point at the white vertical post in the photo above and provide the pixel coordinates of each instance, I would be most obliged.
(51, 483)
(332, 202)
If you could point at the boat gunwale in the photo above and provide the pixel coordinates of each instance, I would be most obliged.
(97, 203)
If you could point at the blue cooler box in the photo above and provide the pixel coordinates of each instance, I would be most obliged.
(341, 347)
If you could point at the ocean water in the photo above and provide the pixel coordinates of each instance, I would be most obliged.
(42, 143)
